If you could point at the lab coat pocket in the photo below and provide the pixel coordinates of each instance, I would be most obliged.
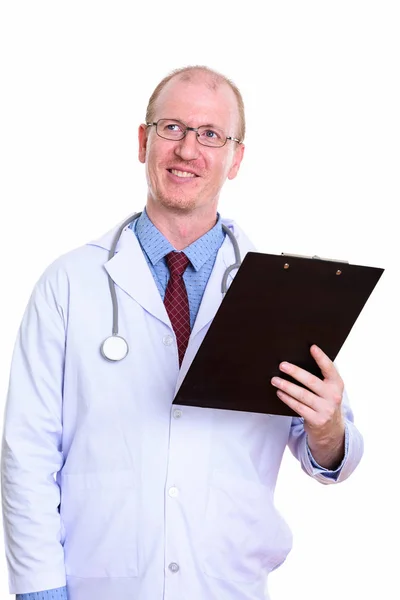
(245, 535)
(99, 516)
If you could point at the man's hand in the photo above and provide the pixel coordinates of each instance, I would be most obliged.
(319, 405)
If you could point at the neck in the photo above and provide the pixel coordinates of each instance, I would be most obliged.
(181, 228)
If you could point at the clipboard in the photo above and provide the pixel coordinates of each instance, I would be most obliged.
(276, 307)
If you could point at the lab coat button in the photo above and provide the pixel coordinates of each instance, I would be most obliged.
(168, 340)
(173, 492)
(177, 413)
(173, 567)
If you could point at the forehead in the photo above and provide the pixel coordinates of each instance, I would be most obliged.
(198, 101)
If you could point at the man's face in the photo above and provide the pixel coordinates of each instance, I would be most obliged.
(185, 175)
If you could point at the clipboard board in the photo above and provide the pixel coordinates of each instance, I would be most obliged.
(276, 307)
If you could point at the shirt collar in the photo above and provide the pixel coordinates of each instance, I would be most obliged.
(206, 246)
(151, 239)
(157, 246)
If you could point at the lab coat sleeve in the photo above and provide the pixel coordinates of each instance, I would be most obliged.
(31, 448)
(353, 452)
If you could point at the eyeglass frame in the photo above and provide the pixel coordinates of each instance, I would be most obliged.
(195, 129)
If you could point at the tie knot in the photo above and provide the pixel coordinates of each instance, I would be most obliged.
(177, 263)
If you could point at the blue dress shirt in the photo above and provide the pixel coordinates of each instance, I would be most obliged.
(202, 255)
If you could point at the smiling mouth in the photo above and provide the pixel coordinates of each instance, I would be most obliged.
(183, 174)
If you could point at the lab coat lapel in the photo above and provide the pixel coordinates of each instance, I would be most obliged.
(210, 303)
(212, 297)
(129, 271)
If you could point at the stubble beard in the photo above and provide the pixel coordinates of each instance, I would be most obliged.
(177, 202)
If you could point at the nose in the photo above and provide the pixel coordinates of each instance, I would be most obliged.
(188, 147)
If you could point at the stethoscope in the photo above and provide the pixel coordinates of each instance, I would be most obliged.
(115, 347)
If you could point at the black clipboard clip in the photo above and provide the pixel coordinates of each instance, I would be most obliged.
(315, 257)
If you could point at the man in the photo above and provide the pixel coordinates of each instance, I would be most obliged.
(154, 501)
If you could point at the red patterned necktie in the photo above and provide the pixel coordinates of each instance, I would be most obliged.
(176, 300)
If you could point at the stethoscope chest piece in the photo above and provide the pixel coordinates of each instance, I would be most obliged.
(114, 348)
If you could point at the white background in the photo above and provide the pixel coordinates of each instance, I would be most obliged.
(320, 82)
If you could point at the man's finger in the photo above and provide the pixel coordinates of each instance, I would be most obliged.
(302, 409)
(313, 383)
(300, 394)
(327, 367)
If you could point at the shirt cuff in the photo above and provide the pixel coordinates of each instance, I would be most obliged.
(328, 472)
(54, 594)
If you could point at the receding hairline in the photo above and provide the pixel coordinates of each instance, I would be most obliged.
(212, 79)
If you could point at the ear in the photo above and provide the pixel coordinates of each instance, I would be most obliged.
(237, 159)
(142, 136)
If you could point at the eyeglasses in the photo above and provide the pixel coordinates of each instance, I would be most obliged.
(171, 129)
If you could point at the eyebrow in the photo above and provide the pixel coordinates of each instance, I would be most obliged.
(212, 125)
(205, 125)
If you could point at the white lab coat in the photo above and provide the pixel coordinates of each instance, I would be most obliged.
(157, 502)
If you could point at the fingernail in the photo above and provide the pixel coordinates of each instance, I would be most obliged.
(275, 381)
(284, 366)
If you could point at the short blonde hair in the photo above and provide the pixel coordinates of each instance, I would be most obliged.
(185, 74)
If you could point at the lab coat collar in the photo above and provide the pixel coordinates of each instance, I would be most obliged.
(129, 271)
